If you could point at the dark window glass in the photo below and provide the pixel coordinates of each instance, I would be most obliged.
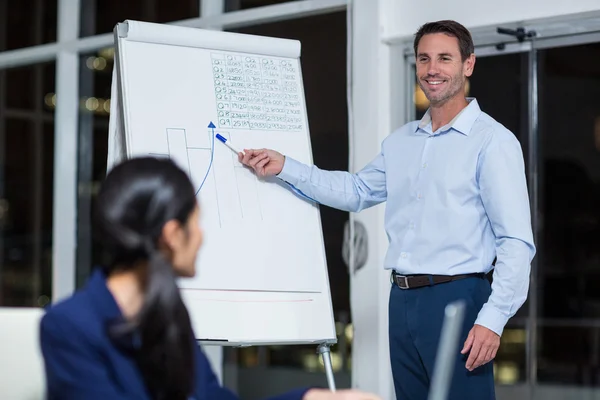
(102, 16)
(31, 87)
(574, 364)
(94, 90)
(234, 5)
(26, 184)
(27, 23)
(569, 256)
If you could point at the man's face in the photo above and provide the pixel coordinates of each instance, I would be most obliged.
(440, 70)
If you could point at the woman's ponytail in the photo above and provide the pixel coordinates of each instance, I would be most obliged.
(166, 356)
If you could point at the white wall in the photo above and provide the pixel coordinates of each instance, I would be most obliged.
(405, 16)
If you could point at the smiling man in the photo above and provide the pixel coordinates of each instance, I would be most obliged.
(456, 207)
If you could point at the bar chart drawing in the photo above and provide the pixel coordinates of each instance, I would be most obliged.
(225, 188)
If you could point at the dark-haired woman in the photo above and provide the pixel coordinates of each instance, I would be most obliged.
(127, 334)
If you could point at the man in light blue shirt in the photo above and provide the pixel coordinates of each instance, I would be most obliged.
(457, 206)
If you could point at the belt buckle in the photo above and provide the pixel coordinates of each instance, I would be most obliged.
(399, 280)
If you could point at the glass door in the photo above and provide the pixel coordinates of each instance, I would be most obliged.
(569, 254)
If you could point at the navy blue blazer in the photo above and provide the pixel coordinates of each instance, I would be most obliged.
(83, 362)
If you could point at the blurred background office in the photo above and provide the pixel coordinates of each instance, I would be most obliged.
(543, 83)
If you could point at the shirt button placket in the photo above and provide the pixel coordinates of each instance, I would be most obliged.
(424, 165)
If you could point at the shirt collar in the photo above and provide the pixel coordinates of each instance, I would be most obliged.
(462, 122)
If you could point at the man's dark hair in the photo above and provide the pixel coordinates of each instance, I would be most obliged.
(450, 28)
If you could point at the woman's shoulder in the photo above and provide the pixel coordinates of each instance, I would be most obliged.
(86, 311)
(69, 317)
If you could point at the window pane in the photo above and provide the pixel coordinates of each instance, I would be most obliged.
(102, 16)
(569, 255)
(27, 23)
(569, 355)
(234, 5)
(26, 184)
(94, 91)
(26, 212)
(506, 74)
(31, 87)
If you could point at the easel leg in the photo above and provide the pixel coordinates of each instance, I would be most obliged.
(323, 350)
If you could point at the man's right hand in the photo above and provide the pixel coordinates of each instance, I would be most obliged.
(264, 162)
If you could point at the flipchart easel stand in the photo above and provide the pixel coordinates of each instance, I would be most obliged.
(323, 350)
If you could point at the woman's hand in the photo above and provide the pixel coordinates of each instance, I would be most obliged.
(347, 394)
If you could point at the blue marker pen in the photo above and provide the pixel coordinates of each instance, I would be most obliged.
(224, 140)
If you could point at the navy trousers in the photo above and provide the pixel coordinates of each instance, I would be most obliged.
(415, 323)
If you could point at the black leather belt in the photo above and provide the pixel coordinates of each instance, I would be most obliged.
(417, 281)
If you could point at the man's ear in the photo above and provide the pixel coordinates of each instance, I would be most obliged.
(469, 65)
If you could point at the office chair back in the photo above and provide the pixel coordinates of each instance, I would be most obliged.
(22, 374)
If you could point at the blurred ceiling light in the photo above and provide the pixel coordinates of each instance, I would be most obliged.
(89, 62)
(96, 63)
(48, 99)
(97, 104)
(339, 327)
(313, 362)
(349, 332)
(92, 104)
(336, 362)
(100, 63)
(310, 362)
(107, 106)
(420, 100)
(507, 373)
(108, 53)
(514, 336)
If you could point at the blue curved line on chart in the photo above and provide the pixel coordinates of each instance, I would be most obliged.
(212, 154)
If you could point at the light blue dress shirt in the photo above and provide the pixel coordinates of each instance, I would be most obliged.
(456, 199)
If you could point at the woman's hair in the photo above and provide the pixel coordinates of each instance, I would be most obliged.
(136, 200)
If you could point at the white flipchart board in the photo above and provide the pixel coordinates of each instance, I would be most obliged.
(261, 273)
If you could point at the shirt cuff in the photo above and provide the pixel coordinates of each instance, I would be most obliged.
(292, 171)
(492, 319)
